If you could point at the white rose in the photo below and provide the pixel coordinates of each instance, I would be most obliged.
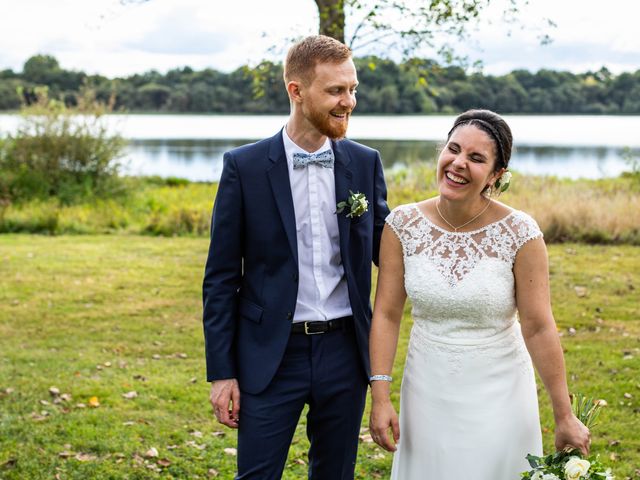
(550, 476)
(576, 467)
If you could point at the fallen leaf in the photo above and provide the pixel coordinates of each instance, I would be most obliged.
(366, 438)
(65, 397)
(213, 472)
(128, 424)
(130, 395)
(218, 434)
(196, 434)
(107, 364)
(182, 355)
(156, 356)
(38, 417)
(163, 462)
(300, 461)
(193, 380)
(192, 443)
(54, 392)
(94, 402)
(628, 395)
(66, 454)
(230, 451)
(9, 463)
(44, 402)
(580, 291)
(85, 457)
(151, 453)
(80, 405)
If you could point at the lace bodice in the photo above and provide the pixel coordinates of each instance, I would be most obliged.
(461, 284)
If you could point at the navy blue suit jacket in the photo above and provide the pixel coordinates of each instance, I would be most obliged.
(251, 276)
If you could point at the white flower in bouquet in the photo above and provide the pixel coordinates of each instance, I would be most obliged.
(544, 476)
(576, 467)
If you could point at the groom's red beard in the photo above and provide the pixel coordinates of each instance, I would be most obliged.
(332, 127)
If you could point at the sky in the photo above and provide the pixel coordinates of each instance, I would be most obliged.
(109, 38)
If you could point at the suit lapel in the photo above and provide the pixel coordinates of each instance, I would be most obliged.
(278, 174)
(343, 179)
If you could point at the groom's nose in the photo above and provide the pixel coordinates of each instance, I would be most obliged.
(348, 100)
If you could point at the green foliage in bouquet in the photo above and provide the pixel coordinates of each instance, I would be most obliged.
(571, 464)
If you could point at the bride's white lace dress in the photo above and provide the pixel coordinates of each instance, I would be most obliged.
(468, 404)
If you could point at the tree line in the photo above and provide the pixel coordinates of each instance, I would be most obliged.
(415, 86)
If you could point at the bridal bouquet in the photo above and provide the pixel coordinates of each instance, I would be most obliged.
(570, 464)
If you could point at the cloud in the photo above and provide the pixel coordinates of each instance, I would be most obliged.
(178, 33)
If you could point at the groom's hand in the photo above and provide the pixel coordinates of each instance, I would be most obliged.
(225, 400)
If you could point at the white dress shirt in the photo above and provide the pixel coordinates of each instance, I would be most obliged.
(322, 289)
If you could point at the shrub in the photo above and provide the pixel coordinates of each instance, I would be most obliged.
(61, 152)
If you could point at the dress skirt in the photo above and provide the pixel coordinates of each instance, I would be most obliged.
(468, 408)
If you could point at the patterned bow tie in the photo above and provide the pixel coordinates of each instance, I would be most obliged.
(324, 159)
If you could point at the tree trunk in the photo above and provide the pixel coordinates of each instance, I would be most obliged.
(331, 18)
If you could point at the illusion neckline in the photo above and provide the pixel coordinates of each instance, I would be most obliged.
(470, 232)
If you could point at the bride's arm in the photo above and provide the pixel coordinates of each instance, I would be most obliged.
(531, 270)
(383, 341)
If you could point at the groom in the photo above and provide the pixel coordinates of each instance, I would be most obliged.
(288, 277)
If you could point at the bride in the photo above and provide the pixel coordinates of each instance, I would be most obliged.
(477, 275)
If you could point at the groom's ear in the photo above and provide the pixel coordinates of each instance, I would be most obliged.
(294, 90)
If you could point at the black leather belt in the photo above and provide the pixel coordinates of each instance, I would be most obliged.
(315, 328)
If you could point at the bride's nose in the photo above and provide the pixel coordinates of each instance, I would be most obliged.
(459, 161)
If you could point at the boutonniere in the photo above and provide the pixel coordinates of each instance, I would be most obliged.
(357, 204)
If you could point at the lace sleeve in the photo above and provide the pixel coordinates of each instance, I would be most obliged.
(524, 228)
(404, 221)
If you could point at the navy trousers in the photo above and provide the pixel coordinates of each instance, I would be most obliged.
(325, 372)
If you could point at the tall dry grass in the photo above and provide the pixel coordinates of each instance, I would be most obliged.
(603, 211)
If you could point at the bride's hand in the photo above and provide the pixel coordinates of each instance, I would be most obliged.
(383, 416)
(571, 432)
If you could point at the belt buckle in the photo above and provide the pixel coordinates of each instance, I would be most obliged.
(307, 332)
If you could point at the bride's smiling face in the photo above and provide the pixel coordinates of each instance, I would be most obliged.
(466, 164)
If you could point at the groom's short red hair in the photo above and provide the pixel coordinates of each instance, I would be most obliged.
(306, 54)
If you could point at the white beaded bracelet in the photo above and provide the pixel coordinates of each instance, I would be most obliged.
(386, 378)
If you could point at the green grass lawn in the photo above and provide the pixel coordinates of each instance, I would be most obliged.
(103, 316)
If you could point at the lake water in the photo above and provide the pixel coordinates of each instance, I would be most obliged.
(192, 146)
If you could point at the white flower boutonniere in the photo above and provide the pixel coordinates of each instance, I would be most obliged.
(357, 204)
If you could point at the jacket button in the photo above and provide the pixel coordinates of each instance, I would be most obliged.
(295, 277)
(289, 315)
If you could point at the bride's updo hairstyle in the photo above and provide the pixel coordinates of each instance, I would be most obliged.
(493, 125)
